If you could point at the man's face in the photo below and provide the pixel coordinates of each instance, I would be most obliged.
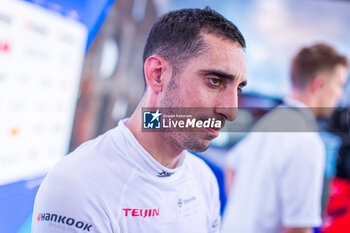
(332, 90)
(211, 83)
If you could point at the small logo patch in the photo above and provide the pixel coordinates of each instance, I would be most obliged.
(151, 120)
(49, 217)
(165, 174)
(143, 213)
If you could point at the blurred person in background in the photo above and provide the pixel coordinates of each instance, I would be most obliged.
(128, 180)
(274, 179)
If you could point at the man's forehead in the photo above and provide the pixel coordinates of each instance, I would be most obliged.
(224, 55)
(217, 46)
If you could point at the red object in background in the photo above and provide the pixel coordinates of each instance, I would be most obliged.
(337, 216)
(4, 46)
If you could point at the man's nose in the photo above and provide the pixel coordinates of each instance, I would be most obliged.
(227, 106)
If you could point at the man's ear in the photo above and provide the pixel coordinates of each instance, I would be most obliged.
(316, 84)
(156, 70)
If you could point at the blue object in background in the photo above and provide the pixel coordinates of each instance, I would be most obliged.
(332, 144)
(91, 13)
(26, 227)
(16, 202)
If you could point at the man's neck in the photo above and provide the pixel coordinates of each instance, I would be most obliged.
(154, 143)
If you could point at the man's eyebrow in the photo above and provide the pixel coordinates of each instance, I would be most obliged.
(222, 74)
(217, 73)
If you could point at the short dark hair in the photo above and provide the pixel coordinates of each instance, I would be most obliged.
(310, 61)
(176, 35)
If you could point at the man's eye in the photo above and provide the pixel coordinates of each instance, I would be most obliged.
(215, 82)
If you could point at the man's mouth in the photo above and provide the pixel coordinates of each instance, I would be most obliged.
(214, 131)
